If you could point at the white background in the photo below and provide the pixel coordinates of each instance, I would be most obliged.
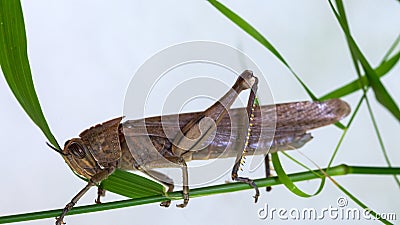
(83, 55)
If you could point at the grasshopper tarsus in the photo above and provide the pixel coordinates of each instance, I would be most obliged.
(185, 201)
(59, 222)
(60, 219)
(256, 198)
(251, 183)
(165, 204)
(97, 200)
(100, 193)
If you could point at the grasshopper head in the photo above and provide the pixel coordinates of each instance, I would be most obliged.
(79, 158)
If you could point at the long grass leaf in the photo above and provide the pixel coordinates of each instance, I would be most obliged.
(391, 49)
(354, 86)
(381, 94)
(16, 69)
(370, 74)
(289, 184)
(249, 29)
(263, 41)
(15, 64)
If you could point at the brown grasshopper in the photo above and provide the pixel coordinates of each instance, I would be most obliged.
(103, 148)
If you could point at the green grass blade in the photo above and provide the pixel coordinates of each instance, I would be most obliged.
(245, 26)
(16, 69)
(381, 94)
(354, 86)
(15, 64)
(345, 131)
(285, 179)
(391, 49)
(387, 65)
(131, 185)
(298, 162)
(381, 143)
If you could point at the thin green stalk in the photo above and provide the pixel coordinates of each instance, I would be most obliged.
(345, 130)
(381, 94)
(358, 58)
(354, 198)
(361, 204)
(249, 29)
(199, 192)
(298, 162)
(353, 86)
(391, 49)
(15, 64)
(381, 143)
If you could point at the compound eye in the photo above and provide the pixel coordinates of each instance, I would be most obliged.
(77, 150)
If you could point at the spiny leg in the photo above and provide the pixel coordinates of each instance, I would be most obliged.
(241, 155)
(191, 138)
(92, 182)
(267, 170)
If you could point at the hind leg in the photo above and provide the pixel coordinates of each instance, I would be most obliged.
(243, 149)
(199, 129)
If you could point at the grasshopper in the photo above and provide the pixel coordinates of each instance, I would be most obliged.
(101, 149)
